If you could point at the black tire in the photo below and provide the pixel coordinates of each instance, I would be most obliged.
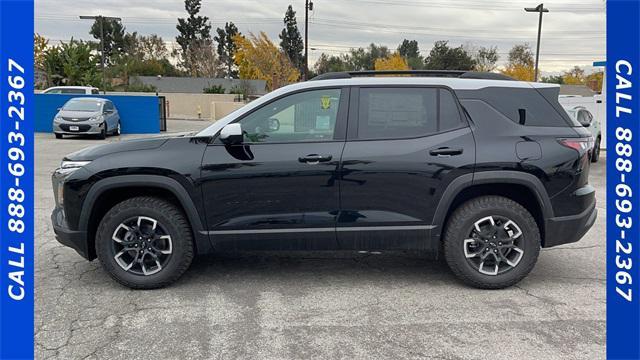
(460, 227)
(103, 133)
(595, 156)
(58, 136)
(170, 218)
(116, 132)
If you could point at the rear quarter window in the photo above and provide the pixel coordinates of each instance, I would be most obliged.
(513, 103)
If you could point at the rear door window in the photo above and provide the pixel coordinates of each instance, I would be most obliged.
(391, 113)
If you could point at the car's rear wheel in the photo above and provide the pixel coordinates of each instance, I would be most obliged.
(145, 243)
(491, 242)
(595, 156)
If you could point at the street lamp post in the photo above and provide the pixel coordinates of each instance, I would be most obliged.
(101, 19)
(308, 5)
(539, 9)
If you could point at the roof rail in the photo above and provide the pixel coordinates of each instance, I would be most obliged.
(463, 74)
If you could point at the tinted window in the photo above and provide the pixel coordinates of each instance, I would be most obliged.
(95, 91)
(72, 91)
(307, 116)
(449, 112)
(520, 104)
(405, 112)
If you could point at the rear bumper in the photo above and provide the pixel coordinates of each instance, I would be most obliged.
(568, 229)
(74, 239)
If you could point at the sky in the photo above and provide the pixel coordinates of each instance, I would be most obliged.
(573, 31)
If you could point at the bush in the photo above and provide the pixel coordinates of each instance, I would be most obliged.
(214, 89)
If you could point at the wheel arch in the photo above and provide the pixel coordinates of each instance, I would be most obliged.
(105, 193)
(524, 188)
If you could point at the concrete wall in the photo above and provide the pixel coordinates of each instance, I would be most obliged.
(138, 114)
(186, 106)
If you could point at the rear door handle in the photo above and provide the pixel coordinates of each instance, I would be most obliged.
(315, 159)
(445, 151)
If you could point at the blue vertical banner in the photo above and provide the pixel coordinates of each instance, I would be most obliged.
(623, 180)
(16, 179)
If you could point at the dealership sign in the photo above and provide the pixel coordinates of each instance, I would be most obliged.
(16, 179)
(623, 181)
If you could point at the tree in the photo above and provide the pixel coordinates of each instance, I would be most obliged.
(326, 63)
(365, 59)
(392, 62)
(113, 42)
(553, 79)
(574, 76)
(70, 64)
(486, 58)
(194, 38)
(521, 55)
(291, 40)
(153, 47)
(257, 57)
(443, 57)
(520, 63)
(594, 81)
(40, 44)
(409, 50)
(227, 48)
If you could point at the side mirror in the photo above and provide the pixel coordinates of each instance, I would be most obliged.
(231, 134)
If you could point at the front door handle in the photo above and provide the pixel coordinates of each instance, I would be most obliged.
(313, 159)
(446, 151)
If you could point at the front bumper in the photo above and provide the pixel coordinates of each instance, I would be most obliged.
(568, 229)
(74, 239)
(84, 127)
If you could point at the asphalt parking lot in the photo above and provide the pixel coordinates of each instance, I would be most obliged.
(288, 306)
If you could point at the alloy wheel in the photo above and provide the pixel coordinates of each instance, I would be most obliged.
(141, 245)
(494, 245)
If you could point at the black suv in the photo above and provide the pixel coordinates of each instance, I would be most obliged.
(481, 169)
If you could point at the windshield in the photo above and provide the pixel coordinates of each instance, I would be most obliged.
(82, 105)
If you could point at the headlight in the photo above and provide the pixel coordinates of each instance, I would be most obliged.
(96, 118)
(57, 118)
(67, 167)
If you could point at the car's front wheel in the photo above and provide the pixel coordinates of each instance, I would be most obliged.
(491, 242)
(145, 243)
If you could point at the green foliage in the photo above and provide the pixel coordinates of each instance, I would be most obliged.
(443, 57)
(291, 40)
(409, 50)
(553, 79)
(486, 58)
(521, 55)
(227, 49)
(113, 31)
(214, 89)
(71, 64)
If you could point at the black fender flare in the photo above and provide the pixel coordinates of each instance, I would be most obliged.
(487, 177)
(202, 241)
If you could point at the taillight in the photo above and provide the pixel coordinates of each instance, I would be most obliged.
(579, 144)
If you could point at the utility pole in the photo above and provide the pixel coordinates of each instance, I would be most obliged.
(308, 5)
(101, 19)
(539, 9)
